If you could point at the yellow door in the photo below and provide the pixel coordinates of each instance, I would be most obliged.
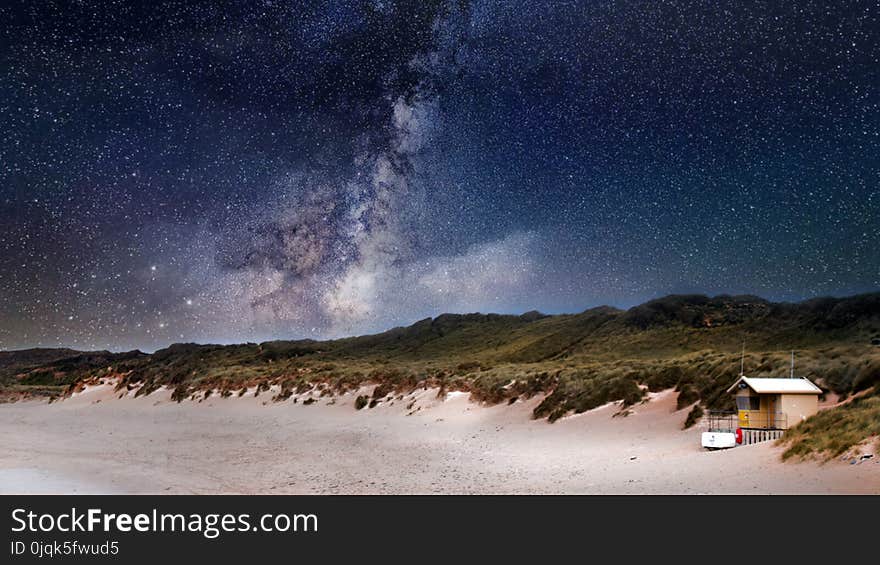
(770, 412)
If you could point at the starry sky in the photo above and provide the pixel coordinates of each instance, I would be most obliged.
(242, 171)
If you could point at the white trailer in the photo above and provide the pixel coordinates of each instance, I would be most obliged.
(722, 433)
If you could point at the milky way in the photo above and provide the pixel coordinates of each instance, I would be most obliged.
(245, 171)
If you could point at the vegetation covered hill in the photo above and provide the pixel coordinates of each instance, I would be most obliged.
(576, 362)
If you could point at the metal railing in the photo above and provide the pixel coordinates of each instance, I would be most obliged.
(759, 419)
(721, 421)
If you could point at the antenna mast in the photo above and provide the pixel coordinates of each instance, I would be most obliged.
(742, 361)
(792, 363)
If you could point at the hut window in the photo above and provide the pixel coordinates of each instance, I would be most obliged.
(748, 402)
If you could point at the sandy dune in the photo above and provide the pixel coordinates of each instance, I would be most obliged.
(94, 442)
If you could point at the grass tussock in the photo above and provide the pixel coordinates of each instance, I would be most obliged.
(693, 416)
(831, 433)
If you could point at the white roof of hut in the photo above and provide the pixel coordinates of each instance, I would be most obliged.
(774, 385)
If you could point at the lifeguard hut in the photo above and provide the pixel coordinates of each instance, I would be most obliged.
(765, 408)
(774, 403)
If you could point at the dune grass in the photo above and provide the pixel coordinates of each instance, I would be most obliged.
(830, 433)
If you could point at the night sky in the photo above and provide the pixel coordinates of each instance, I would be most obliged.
(261, 170)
